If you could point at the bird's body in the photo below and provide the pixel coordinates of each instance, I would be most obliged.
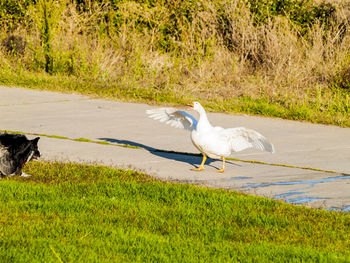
(214, 142)
(216, 147)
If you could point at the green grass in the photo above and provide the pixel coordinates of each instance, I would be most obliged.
(333, 110)
(79, 213)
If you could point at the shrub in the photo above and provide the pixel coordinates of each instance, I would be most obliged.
(342, 76)
(13, 13)
(302, 13)
(14, 44)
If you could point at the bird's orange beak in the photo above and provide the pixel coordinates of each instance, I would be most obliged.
(190, 105)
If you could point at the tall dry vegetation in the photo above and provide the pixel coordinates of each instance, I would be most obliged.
(209, 50)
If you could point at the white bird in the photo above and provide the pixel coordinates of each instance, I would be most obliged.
(213, 142)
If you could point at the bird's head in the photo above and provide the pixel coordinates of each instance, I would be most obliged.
(196, 106)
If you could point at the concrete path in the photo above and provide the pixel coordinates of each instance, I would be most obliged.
(297, 144)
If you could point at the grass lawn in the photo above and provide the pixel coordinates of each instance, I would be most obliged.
(79, 213)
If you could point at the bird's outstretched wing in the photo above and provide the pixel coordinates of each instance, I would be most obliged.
(175, 118)
(241, 138)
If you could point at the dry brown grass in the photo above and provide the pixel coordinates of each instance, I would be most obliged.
(209, 58)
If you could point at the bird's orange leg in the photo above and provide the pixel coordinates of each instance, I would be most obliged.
(200, 168)
(223, 166)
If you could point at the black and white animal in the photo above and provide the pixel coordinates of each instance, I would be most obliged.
(15, 151)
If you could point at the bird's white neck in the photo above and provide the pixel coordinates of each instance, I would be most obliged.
(203, 122)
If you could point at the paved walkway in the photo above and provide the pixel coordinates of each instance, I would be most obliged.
(297, 144)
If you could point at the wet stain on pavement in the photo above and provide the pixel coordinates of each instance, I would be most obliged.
(299, 195)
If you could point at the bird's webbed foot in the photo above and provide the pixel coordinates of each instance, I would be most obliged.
(197, 169)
